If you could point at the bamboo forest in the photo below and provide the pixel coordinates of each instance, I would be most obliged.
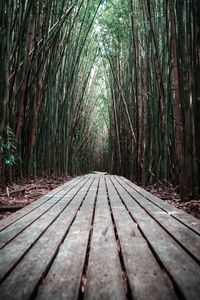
(108, 85)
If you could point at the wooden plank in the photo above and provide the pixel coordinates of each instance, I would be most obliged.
(37, 261)
(104, 274)
(183, 270)
(21, 213)
(144, 273)
(21, 224)
(18, 247)
(64, 278)
(55, 246)
(176, 213)
(185, 236)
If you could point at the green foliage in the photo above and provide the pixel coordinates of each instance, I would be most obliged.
(8, 148)
(112, 24)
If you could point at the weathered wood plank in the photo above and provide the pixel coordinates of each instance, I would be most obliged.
(21, 224)
(144, 273)
(36, 262)
(64, 278)
(184, 271)
(186, 237)
(18, 247)
(104, 274)
(134, 244)
(26, 210)
(176, 213)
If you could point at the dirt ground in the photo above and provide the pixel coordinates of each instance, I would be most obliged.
(17, 196)
(169, 194)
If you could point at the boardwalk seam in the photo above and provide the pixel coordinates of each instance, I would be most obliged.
(45, 273)
(24, 254)
(178, 292)
(125, 278)
(172, 215)
(162, 226)
(81, 293)
(37, 218)
(38, 206)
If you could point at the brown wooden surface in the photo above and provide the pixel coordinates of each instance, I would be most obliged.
(99, 237)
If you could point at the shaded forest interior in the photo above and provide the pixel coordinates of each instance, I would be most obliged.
(112, 85)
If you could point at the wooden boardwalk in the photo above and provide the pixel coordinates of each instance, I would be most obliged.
(99, 237)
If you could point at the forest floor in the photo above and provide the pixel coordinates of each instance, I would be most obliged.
(17, 196)
(169, 195)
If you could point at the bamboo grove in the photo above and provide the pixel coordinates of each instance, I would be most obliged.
(107, 84)
(47, 54)
(152, 50)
